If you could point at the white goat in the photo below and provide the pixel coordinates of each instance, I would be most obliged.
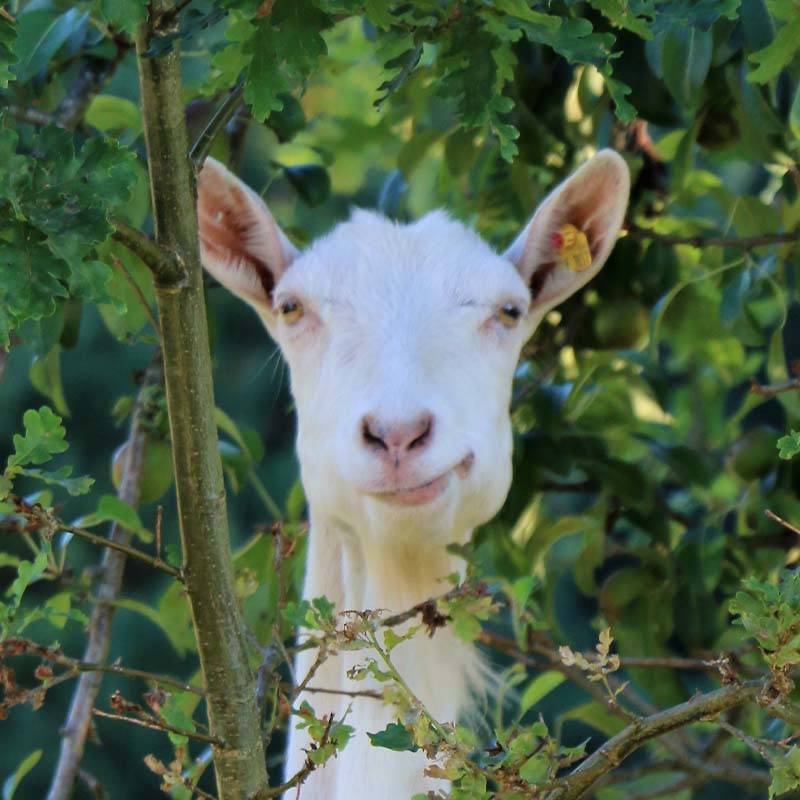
(402, 341)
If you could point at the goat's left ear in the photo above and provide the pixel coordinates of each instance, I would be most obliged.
(592, 201)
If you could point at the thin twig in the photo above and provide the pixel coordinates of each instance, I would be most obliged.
(770, 390)
(131, 552)
(31, 115)
(742, 242)
(370, 693)
(221, 117)
(775, 518)
(16, 647)
(746, 739)
(299, 777)
(137, 290)
(160, 726)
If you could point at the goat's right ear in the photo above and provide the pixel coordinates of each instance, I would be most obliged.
(241, 245)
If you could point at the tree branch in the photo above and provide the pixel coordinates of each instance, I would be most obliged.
(781, 521)
(18, 647)
(93, 77)
(56, 526)
(792, 385)
(228, 676)
(160, 726)
(76, 728)
(617, 749)
(132, 552)
(221, 117)
(742, 242)
(166, 268)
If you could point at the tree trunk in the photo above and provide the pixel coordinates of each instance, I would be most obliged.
(229, 680)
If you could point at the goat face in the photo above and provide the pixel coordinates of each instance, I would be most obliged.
(402, 342)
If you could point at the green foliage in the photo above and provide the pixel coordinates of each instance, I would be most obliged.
(44, 438)
(643, 463)
(785, 773)
(771, 615)
(394, 737)
(56, 211)
(789, 445)
(13, 781)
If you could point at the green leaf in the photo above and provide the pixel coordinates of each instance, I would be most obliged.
(283, 48)
(686, 58)
(785, 773)
(28, 572)
(174, 714)
(61, 477)
(13, 781)
(124, 15)
(8, 36)
(776, 55)
(44, 438)
(40, 34)
(794, 115)
(619, 92)
(109, 113)
(45, 377)
(539, 688)
(112, 509)
(394, 737)
(789, 445)
(535, 769)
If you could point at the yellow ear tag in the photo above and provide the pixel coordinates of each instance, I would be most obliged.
(571, 247)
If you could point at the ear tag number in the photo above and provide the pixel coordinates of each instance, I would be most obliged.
(571, 247)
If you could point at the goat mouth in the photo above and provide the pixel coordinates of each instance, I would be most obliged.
(430, 490)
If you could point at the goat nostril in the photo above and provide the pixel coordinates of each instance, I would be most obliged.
(371, 439)
(424, 436)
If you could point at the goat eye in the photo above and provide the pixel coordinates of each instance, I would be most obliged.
(509, 315)
(291, 311)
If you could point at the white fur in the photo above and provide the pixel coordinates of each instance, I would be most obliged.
(400, 321)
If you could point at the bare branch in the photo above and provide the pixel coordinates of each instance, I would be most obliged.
(119, 547)
(18, 647)
(160, 726)
(31, 115)
(742, 242)
(768, 390)
(76, 728)
(617, 749)
(35, 521)
(775, 518)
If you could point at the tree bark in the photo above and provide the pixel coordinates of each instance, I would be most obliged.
(229, 679)
(76, 728)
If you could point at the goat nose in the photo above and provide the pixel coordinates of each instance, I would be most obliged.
(396, 439)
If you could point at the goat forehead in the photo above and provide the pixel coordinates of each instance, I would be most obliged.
(372, 263)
